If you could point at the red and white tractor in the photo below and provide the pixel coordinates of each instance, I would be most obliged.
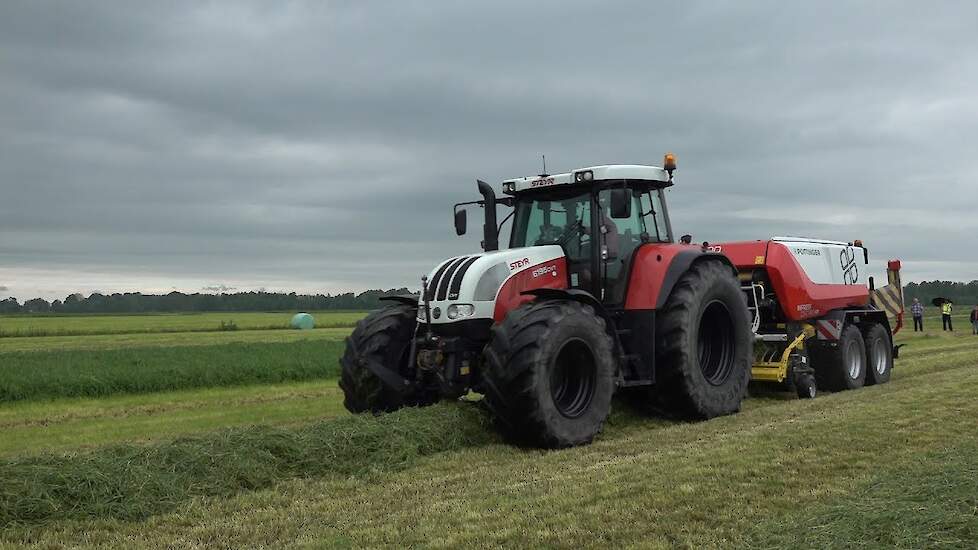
(593, 295)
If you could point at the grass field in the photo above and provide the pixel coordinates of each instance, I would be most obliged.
(68, 325)
(98, 373)
(281, 464)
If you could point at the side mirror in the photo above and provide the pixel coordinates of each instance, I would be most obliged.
(460, 222)
(621, 204)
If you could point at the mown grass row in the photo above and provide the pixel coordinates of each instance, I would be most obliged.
(98, 373)
(170, 339)
(73, 425)
(133, 482)
(82, 325)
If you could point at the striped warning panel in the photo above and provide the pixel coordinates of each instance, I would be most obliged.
(889, 299)
(828, 329)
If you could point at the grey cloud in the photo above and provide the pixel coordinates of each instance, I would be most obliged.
(302, 143)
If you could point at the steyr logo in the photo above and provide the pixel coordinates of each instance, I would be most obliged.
(542, 182)
(513, 266)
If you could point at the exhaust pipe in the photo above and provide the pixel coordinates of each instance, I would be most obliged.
(490, 237)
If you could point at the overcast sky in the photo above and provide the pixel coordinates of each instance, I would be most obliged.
(319, 146)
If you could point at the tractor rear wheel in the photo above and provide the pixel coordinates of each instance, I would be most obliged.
(879, 354)
(383, 338)
(842, 367)
(704, 344)
(550, 374)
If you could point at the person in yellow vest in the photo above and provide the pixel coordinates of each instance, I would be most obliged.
(946, 308)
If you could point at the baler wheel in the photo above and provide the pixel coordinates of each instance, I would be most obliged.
(550, 374)
(879, 354)
(842, 367)
(704, 344)
(805, 386)
(383, 337)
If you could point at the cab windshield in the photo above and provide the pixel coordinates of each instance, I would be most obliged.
(557, 219)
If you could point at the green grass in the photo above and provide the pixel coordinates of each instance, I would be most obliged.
(133, 482)
(119, 341)
(68, 425)
(69, 325)
(931, 501)
(98, 373)
(780, 474)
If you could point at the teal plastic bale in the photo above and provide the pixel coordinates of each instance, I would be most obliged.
(302, 321)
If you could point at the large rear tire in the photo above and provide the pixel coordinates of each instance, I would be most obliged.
(704, 344)
(879, 354)
(383, 337)
(550, 374)
(844, 366)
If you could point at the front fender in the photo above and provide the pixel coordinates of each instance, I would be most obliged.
(583, 297)
(409, 299)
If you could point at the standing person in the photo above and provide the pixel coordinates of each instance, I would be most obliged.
(946, 309)
(917, 310)
(974, 320)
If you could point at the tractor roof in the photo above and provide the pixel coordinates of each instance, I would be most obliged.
(591, 175)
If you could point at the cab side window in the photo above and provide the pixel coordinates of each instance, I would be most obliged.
(619, 239)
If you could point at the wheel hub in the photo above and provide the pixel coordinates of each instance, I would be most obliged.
(572, 378)
(715, 343)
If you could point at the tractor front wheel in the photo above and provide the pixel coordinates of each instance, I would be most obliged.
(550, 374)
(382, 338)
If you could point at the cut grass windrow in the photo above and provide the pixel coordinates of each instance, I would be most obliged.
(31, 326)
(166, 339)
(133, 482)
(98, 373)
(72, 425)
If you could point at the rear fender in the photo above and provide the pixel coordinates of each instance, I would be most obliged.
(828, 328)
(658, 267)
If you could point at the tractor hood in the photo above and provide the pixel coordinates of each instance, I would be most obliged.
(472, 283)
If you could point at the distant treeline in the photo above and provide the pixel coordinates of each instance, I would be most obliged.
(959, 293)
(180, 302)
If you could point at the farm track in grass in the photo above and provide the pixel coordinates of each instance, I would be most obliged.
(767, 475)
(75, 325)
(104, 372)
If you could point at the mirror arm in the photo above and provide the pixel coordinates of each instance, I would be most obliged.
(508, 216)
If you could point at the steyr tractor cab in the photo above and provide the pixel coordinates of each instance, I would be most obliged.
(591, 296)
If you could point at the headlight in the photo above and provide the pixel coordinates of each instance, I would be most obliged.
(456, 311)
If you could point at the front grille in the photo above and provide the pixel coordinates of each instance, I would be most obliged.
(446, 277)
(433, 283)
(457, 279)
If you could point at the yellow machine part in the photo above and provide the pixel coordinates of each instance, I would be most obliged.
(777, 371)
